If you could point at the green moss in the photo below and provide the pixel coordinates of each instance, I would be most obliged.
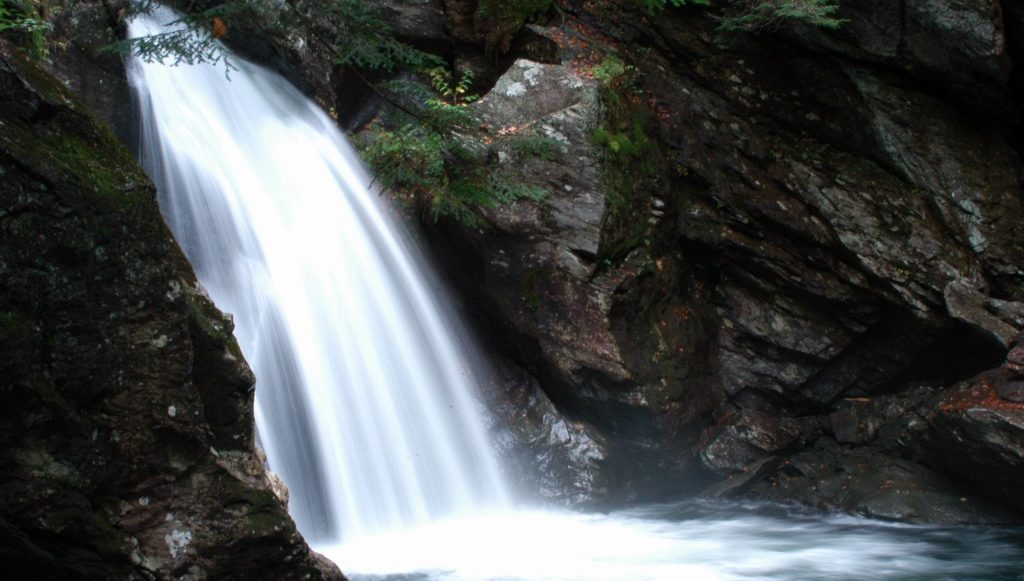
(69, 147)
(631, 164)
(257, 511)
(610, 69)
(207, 318)
(68, 154)
(43, 83)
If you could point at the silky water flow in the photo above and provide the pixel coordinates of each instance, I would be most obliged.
(364, 404)
(364, 401)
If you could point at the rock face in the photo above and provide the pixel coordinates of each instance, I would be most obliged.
(576, 317)
(126, 422)
(82, 33)
(970, 432)
(874, 484)
(547, 456)
(822, 234)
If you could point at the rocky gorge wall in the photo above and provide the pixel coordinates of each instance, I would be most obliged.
(127, 420)
(798, 276)
(801, 280)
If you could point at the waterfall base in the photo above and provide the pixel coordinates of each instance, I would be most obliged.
(696, 540)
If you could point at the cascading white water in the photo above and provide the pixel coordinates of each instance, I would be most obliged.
(363, 401)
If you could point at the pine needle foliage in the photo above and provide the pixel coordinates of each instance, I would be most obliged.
(427, 149)
(754, 15)
(748, 16)
(351, 31)
(190, 40)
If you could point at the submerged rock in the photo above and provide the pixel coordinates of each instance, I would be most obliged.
(126, 421)
(874, 484)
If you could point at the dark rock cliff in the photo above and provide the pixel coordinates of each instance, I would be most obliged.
(813, 239)
(126, 419)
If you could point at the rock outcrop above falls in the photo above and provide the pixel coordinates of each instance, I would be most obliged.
(126, 424)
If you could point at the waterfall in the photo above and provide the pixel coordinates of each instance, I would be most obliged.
(364, 400)
(364, 397)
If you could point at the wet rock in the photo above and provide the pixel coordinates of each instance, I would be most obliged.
(422, 23)
(970, 177)
(870, 483)
(967, 304)
(1015, 358)
(864, 420)
(80, 56)
(747, 437)
(546, 455)
(739, 482)
(1010, 386)
(959, 45)
(605, 350)
(127, 417)
(972, 433)
(832, 231)
(1012, 391)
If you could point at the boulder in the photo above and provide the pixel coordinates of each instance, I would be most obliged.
(747, 437)
(604, 349)
(546, 456)
(974, 434)
(874, 484)
(1011, 385)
